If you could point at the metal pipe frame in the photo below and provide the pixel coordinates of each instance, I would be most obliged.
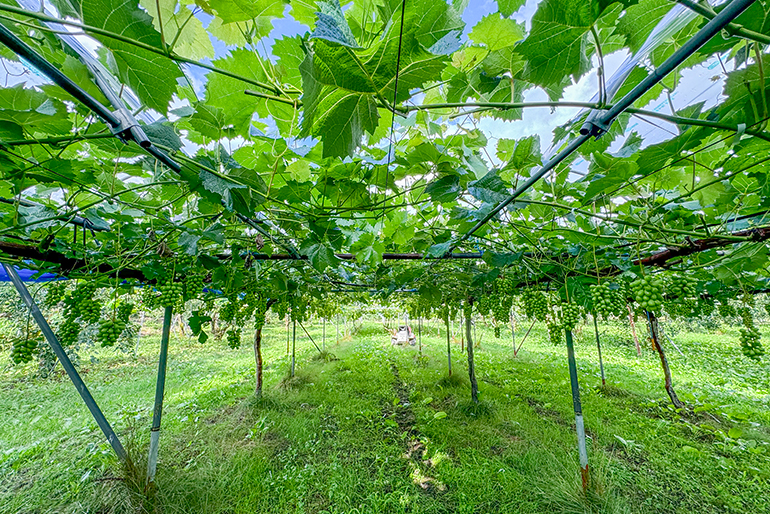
(602, 122)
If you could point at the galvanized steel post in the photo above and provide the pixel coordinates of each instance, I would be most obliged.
(152, 460)
(579, 425)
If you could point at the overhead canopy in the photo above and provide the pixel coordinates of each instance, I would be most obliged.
(337, 135)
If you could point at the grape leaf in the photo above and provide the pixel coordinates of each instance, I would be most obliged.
(496, 32)
(152, 77)
(556, 46)
(508, 7)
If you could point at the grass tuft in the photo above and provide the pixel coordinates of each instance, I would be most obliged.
(324, 356)
(455, 380)
(483, 409)
(298, 381)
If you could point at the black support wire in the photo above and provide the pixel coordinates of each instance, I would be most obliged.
(598, 124)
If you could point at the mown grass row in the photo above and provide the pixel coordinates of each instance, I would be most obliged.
(382, 429)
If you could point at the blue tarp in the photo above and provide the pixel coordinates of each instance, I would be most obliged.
(27, 274)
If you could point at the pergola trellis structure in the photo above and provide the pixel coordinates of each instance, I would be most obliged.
(124, 125)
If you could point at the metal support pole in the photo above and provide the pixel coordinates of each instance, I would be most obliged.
(513, 333)
(293, 345)
(323, 342)
(419, 332)
(597, 125)
(20, 48)
(599, 347)
(67, 364)
(579, 425)
(157, 412)
(448, 345)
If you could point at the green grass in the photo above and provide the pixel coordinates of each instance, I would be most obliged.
(369, 428)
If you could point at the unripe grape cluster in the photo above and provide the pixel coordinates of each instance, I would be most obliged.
(171, 294)
(110, 329)
(229, 310)
(750, 337)
(687, 307)
(706, 306)
(193, 287)
(234, 338)
(535, 304)
(570, 315)
(726, 310)
(554, 332)
(681, 286)
(607, 302)
(648, 291)
(68, 332)
(149, 297)
(54, 294)
(23, 350)
(78, 303)
(483, 304)
(501, 309)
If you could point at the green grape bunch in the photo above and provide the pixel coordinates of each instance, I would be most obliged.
(554, 332)
(149, 298)
(234, 338)
(484, 304)
(193, 287)
(681, 287)
(726, 310)
(23, 350)
(648, 291)
(55, 293)
(706, 306)
(570, 315)
(535, 304)
(501, 309)
(110, 329)
(80, 303)
(607, 302)
(171, 294)
(124, 311)
(229, 310)
(68, 332)
(751, 346)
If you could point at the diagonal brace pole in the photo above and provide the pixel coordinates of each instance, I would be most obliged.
(96, 412)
